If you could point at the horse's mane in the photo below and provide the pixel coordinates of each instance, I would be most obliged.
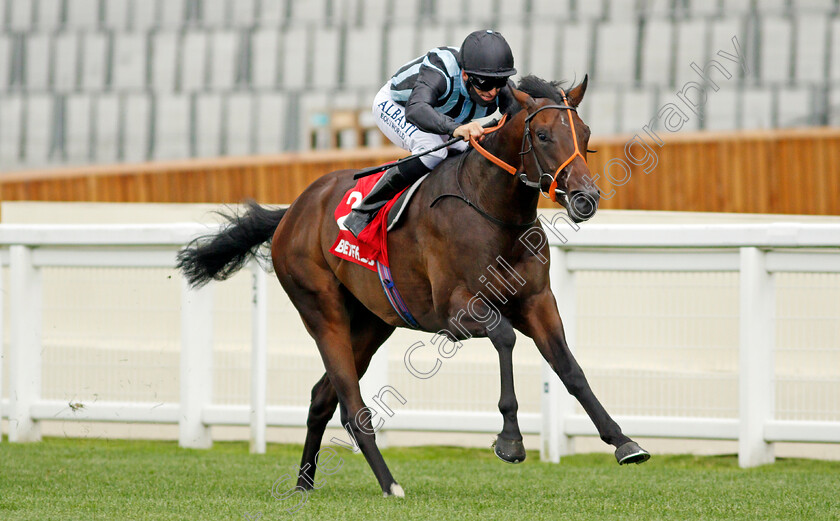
(538, 88)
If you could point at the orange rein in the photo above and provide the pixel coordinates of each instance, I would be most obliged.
(552, 191)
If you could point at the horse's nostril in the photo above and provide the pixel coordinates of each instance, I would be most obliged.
(583, 204)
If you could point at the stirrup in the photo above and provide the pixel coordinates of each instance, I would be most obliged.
(358, 221)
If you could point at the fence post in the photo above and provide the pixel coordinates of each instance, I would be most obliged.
(259, 358)
(25, 296)
(196, 365)
(755, 363)
(557, 403)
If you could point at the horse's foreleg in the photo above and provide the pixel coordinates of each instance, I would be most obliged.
(541, 321)
(509, 446)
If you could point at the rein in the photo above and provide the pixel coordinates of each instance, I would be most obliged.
(553, 191)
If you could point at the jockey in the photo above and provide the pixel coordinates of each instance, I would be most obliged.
(431, 98)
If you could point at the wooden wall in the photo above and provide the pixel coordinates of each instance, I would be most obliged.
(781, 171)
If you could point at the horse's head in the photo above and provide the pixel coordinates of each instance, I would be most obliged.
(554, 145)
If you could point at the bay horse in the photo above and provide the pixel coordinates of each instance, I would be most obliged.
(469, 215)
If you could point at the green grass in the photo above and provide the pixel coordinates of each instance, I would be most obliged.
(80, 479)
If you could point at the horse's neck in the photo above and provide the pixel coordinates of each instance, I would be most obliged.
(496, 191)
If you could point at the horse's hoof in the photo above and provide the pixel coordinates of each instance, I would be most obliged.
(396, 491)
(630, 452)
(509, 451)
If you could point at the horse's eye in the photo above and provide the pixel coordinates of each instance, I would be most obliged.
(591, 151)
(542, 136)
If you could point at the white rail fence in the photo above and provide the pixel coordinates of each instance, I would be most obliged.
(757, 252)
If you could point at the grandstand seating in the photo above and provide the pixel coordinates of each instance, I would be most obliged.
(130, 80)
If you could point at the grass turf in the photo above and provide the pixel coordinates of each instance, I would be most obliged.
(81, 479)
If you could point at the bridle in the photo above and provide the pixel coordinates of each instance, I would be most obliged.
(553, 192)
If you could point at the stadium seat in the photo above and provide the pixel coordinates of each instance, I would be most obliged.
(551, 10)
(480, 13)
(638, 108)
(813, 6)
(5, 61)
(81, 14)
(172, 127)
(363, 41)
(756, 108)
(20, 15)
(722, 32)
(144, 15)
(265, 51)
(406, 11)
(590, 10)
(576, 51)
(399, 46)
(600, 111)
(78, 109)
(794, 107)
(128, 66)
(325, 57)
(834, 107)
(776, 46)
(295, 51)
(615, 61)
(164, 58)
(116, 14)
(223, 59)
(208, 125)
(11, 126)
(435, 35)
(626, 11)
(656, 53)
(172, 14)
(654, 9)
(514, 11)
(214, 14)
(40, 126)
(136, 128)
(721, 109)
(37, 62)
(692, 46)
(106, 128)
(704, 9)
(243, 13)
(834, 65)
(193, 61)
(377, 12)
(237, 129)
(95, 51)
(65, 63)
(771, 7)
(347, 13)
(451, 12)
(543, 50)
(311, 11)
(272, 13)
(49, 15)
(810, 51)
(271, 124)
(312, 120)
(736, 7)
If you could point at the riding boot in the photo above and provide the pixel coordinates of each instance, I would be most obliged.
(394, 180)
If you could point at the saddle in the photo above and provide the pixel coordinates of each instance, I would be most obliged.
(371, 246)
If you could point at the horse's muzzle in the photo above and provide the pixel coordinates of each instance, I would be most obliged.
(582, 204)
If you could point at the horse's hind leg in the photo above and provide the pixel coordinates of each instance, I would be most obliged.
(327, 310)
(369, 333)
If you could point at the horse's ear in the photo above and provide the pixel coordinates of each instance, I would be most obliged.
(526, 101)
(576, 94)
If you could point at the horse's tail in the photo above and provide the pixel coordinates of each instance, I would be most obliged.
(220, 255)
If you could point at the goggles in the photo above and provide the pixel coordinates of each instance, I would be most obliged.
(487, 83)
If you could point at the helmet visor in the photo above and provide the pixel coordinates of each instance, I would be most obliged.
(487, 83)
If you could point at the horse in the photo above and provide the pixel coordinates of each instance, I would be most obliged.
(469, 215)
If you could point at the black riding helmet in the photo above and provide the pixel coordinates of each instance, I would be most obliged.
(487, 54)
